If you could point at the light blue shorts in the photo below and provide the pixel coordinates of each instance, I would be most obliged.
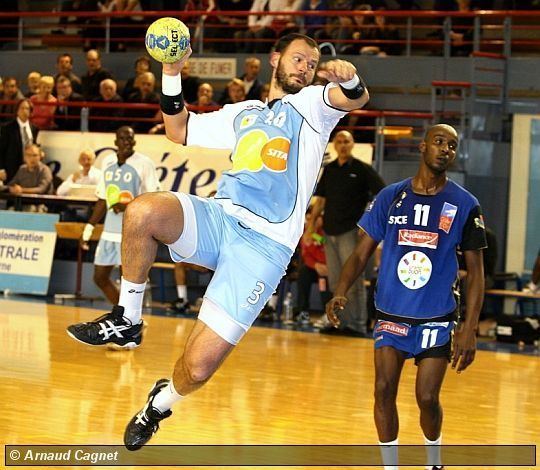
(248, 266)
(107, 253)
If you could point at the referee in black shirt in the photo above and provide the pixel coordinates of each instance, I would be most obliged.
(345, 188)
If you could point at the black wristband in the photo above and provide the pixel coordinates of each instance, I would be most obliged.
(356, 92)
(172, 105)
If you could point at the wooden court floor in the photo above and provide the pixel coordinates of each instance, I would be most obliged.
(278, 387)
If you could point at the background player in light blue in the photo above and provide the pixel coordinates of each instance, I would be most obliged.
(248, 232)
(421, 221)
(124, 175)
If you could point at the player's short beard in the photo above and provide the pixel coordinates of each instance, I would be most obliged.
(285, 83)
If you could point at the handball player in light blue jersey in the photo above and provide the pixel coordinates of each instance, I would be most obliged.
(249, 230)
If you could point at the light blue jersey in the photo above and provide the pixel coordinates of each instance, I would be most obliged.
(123, 183)
(277, 150)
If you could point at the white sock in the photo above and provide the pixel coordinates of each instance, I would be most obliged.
(433, 452)
(182, 292)
(389, 452)
(166, 398)
(131, 298)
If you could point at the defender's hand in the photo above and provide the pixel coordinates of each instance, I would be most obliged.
(333, 307)
(464, 348)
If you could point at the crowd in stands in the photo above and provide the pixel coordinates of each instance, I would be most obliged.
(351, 34)
(54, 99)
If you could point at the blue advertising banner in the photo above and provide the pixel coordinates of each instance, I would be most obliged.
(27, 243)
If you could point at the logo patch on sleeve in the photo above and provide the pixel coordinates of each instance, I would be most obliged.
(446, 219)
(479, 222)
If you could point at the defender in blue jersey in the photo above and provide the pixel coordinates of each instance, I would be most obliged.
(247, 233)
(421, 222)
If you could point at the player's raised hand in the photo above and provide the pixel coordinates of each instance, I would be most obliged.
(176, 67)
(333, 307)
(337, 71)
(464, 348)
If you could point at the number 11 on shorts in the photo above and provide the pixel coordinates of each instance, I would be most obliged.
(429, 338)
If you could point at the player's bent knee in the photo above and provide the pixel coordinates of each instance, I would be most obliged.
(197, 370)
(146, 211)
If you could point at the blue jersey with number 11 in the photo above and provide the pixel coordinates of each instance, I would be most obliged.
(421, 234)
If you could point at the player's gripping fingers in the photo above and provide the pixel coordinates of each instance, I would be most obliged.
(338, 71)
(176, 67)
(333, 307)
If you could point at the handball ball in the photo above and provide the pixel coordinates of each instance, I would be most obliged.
(167, 40)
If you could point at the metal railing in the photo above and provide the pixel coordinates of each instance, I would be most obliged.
(505, 32)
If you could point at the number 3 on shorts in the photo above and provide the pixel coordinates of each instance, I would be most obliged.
(429, 338)
(256, 293)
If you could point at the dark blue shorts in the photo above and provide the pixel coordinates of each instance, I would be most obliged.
(433, 339)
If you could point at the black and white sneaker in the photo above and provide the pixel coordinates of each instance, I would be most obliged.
(112, 329)
(146, 422)
(179, 306)
(434, 467)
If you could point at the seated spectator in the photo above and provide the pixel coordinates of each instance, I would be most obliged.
(382, 31)
(235, 92)
(3, 178)
(142, 64)
(15, 135)
(123, 27)
(32, 82)
(87, 174)
(351, 28)
(107, 94)
(64, 67)
(252, 84)
(95, 74)
(33, 176)
(145, 93)
(315, 26)
(11, 92)
(190, 83)
(222, 25)
(43, 115)
(67, 118)
(250, 79)
(265, 90)
(462, 32)
(264, 29)
(74, 6)
(205, 94)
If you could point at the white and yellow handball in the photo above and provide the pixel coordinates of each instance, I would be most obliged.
(167, 40)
